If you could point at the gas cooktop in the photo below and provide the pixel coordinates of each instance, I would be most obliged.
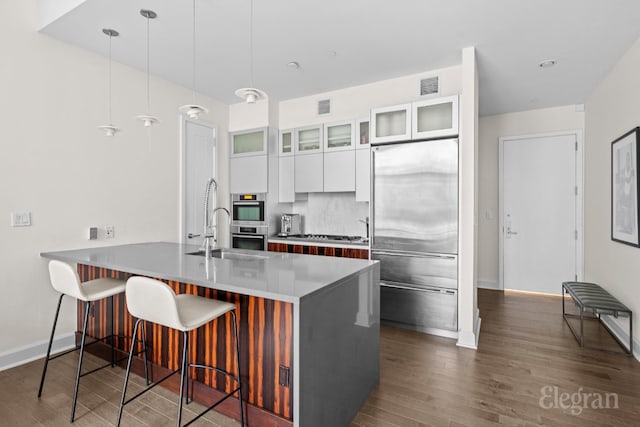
(322, 237)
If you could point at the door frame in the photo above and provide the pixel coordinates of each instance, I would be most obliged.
(182, 167)
(578, 133)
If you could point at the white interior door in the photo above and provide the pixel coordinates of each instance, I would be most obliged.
(198, 166)
(539, 212)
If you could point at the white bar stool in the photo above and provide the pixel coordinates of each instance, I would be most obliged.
(154, 301)
(65, 280)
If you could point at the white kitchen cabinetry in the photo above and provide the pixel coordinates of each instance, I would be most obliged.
(339, 136)
(308, 140)
(248, 160)
(309, 171)
(248, 174)
(285, 143)
(363, 175)
(435, 118)
(362, 134)
(390, 124)
(252, 142)
(286, 179)
(340, 171)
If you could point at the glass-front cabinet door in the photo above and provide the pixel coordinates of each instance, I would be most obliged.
(339, 136)
(390, 124)
(308, 140)
(362, 133)
(285, 144)
(435, 118)
(249, 143)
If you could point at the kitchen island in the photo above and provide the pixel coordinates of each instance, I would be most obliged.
(309, 326)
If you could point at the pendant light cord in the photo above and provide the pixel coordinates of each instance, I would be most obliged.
(193, 82)
(251, 43)
(148, 97)
(109, 85)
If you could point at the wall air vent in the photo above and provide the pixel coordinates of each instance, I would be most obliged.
(324, 106)
(429, 86)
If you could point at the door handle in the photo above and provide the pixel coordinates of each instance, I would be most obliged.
(510, 232)
(191, 235)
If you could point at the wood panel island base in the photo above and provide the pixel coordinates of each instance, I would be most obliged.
(309, 326)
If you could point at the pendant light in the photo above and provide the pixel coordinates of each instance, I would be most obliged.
(193, 110)
(250, 94)
(148, 119)
(109, 129)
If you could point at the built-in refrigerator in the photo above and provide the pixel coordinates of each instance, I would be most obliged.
(414, 220)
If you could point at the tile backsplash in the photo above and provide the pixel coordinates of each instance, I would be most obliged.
(332, 213)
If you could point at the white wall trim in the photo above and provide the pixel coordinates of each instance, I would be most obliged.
(488, 284)
(469, 339)
(579, 198)
(620, 333)
(21, 355)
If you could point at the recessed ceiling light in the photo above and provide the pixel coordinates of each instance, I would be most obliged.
(548, 63)
(293, 65)
(332, 53)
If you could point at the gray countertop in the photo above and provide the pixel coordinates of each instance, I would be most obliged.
(356, 244)
(278, 276)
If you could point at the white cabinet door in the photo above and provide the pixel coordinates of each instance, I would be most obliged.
(362, 134)
(339, 136)
(308, 140)
(249, 143)
(309, 173)
(435, 118)
(391, 124)
(248, 174)
(339, 171)
(286, 172)
(285, 143)
(363, 175)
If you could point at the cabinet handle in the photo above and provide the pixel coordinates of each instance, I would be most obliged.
(191, 235)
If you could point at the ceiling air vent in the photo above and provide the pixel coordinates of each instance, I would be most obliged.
(324, 106)
(429, 86)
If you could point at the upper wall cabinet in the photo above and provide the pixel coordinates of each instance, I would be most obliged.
(308, 140)
(391, 124)
(339, 136)
(362, 133)
(285, 143)
(435, 118)
(252, 142)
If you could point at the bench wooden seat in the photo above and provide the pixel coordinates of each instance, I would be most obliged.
(594, 300)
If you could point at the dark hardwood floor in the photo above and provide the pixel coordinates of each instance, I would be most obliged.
(526, 353)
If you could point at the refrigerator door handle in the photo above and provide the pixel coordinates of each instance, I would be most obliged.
(372, 197)
(413, 254)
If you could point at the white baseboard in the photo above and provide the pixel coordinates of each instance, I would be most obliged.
(469, 339)
(21, 355)
(620, 332)
(488, 284)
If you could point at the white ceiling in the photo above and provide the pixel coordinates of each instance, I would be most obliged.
(372, 40)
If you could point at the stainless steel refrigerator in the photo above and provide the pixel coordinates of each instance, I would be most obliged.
(414, 223)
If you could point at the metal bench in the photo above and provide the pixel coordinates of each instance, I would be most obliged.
(595, 301)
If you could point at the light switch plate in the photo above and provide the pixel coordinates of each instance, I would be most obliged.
(93, 233)
(20, 219)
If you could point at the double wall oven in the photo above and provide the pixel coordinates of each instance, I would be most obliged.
(249, 226)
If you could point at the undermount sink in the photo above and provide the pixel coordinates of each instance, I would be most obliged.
(229, 254)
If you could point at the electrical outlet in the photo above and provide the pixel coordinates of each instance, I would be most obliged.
(109, 232)
(93, 233)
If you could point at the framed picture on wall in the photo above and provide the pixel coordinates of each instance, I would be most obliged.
(624, 188)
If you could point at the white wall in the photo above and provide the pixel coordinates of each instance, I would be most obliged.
(611, 111)
(490, 130)
(56, 164)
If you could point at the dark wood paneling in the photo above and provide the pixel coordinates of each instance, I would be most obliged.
(319, 250)
(265, 334)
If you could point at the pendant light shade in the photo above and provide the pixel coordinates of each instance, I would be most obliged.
(193, 110)
(250, 94)
(148, 119)
(109, 129)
